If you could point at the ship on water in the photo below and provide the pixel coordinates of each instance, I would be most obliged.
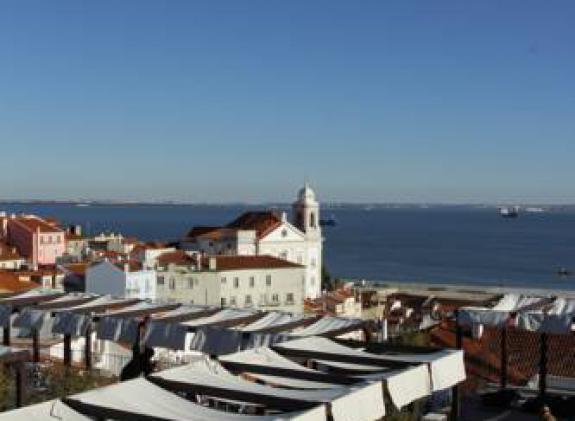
(328, 222)
(509, 211)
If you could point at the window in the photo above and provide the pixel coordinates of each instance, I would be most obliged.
(313, 262)
(223, 302)
(299, 259)
(160, 280)
(312, 280)
(248, 301)
(252, 281)
(190, 283)
(312, 220)
(284, 255)
(233, 301)
(172, 283)
(289, 298)
(275, 298)
(268, 280)
(224, 280)
(236, 282)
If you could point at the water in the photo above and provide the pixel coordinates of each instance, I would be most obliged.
(443, 245)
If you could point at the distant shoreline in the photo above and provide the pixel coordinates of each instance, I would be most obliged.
(326, 205)
(429, 288)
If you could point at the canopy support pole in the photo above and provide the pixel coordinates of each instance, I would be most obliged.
(504, 358)
(88, 349)
(6, 335)
(67, 350)
(18, 367)
(456, 392)
(543, 366)
(35, 346)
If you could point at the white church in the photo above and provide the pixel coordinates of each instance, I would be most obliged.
(270, 233)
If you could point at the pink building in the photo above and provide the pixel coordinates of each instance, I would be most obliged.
(36, 239)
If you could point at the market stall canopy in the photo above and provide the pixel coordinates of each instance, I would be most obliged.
(140, 399)
(205, 377)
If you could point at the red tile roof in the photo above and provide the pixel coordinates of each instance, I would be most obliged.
(262, 222)
(34, 224)
(10, 282)
(8, 253)
(78, 268)
(224, 263)
(178, 257)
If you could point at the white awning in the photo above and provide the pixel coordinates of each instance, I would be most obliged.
(51, 410)
(265, 357)
(446, 366)
(498, 315)
(165, 335)
(225, 315)
(344, 401)
(139, 396)
(328, 324)
(272, 319)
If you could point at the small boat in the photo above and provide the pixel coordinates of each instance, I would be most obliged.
(328, 222)
(509, 212)
(563, 272)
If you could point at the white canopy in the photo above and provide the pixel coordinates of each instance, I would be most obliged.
(329, 324)
(265, 357)
(404, 386)
(139, 396)
(6, 304)
(345, 402)
(540, 314)
(446, 366)
(272, 319)
(51, 410)
(225, 315)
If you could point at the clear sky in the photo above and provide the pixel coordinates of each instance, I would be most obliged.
(416, 101)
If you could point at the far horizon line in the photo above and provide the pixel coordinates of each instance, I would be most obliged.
(282, 204)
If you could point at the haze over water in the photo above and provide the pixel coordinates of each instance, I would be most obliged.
(438, 244)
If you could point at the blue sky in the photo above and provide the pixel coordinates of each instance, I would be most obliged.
(409, 101)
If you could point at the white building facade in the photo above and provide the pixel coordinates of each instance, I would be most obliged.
(270, 233)
(121, 280)
(254, 282)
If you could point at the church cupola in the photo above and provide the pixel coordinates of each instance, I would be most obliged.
(306, 212)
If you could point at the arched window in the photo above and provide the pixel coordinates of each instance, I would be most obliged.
(312, 220)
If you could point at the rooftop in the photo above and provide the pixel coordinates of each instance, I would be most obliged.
(262, 222)
(33, 224)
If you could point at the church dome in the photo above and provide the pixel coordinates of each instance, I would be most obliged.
(306, 194)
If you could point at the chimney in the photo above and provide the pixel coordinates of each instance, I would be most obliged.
(212, 263)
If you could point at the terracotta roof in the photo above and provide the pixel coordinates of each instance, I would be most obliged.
(34, 224)
(9, 282)
(224, 263)
(133, 266)
(110, 254)
(8, 253)
(201, 231)
(77, 268)
(262, 222)
(178, 257)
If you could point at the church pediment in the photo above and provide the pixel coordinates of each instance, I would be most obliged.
(284, 232)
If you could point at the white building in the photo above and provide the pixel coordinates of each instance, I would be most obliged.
(258, 282)
(270, 233)
(123, 279)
